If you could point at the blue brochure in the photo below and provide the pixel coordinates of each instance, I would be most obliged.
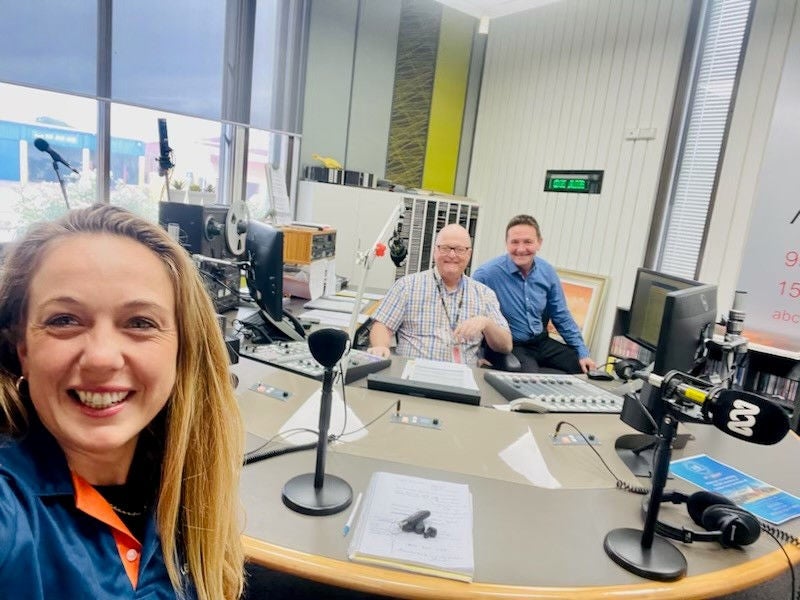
(763, 500)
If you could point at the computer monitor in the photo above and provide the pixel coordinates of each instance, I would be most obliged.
(647, 305)
(264, 252)
(687, 318)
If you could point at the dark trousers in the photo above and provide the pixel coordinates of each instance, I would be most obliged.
(543, 354)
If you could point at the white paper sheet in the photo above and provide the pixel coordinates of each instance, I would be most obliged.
(336, 304)
(364, 296)
(390, 498)
(333, 319)
(307, 416)
(439, 372)
(526, 459)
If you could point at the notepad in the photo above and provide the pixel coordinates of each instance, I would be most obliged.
(390, 498)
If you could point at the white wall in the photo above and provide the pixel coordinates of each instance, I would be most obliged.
(561, 85)
(329, 73)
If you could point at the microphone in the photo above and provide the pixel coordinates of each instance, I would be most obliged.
(45, 147)
(318, 494)
(743, 415)
(397, 247)
(747, 416)
(164, 163)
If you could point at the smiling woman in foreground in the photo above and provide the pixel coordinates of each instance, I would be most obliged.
(121, 438)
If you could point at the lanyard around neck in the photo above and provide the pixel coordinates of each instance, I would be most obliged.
(451, 321)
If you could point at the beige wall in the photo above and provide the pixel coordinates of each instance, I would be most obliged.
(561, 85)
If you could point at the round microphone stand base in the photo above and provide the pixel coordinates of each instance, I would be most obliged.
(662, 561)
(301, 496)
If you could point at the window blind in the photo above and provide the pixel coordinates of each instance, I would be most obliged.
(705, 128)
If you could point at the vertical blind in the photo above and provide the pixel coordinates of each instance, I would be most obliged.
(706, 124)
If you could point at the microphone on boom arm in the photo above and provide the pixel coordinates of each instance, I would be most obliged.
(45, 147)
(164, 161)
(397, 247)
(743, 415)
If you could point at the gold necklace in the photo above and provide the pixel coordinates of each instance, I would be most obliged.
(128, 513)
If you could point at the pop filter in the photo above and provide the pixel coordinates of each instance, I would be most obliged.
(327, 346)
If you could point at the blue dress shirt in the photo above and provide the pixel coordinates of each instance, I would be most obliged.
(528, 302)
(51, 549)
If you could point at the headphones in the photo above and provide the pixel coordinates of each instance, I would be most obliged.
(723, 521)
(626, 367)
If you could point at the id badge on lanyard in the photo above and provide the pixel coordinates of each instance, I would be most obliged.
(457, 353)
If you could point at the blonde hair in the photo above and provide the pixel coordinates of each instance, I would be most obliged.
(196, 514)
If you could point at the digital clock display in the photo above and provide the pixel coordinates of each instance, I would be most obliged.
(575, 182)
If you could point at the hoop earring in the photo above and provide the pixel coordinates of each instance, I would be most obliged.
(19, 382)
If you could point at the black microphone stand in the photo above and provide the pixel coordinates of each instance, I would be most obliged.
(61, 183)
(640, 551)
(319, 494)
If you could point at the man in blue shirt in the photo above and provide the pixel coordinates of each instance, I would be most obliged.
(530, 295)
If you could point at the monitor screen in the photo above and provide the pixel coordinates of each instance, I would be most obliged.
(264, 251)
(686, 315)
(689, 316)
(647, 305)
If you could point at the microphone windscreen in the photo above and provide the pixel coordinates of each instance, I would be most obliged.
(748, 417)
(327, 346)
(41, 144)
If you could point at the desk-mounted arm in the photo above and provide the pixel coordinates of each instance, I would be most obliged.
(366, 258)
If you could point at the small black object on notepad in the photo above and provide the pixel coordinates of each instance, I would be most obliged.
(410, 523)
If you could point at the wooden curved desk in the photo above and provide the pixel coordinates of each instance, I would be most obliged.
(529, 541)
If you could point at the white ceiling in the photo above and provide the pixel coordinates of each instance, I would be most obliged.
(493, 8)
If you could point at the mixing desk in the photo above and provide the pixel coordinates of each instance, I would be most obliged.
(296, 357)
(554, 393)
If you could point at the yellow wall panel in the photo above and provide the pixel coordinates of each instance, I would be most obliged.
(447, 102)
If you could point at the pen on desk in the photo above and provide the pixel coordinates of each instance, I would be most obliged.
(353, 512)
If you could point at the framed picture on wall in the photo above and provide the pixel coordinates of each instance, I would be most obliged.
(584, 293)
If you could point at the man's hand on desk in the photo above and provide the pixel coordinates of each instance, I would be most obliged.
(587, 364)
(381, 351)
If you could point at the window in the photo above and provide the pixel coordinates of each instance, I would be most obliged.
(193, 64)
(49, 44)
(710, 104)
(136, 183)
(29, 188)
(169, 55)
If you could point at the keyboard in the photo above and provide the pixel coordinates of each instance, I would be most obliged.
(409, 387)
(297, 358)
(554, 393)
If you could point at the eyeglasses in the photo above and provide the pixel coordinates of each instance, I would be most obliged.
(459, 250)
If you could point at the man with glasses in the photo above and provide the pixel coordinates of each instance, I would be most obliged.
(441, 314)
(530, 295)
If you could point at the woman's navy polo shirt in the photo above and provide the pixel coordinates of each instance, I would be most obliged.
(59, 538)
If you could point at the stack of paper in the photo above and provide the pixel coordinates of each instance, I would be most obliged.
(440, 372)
(389, 499)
